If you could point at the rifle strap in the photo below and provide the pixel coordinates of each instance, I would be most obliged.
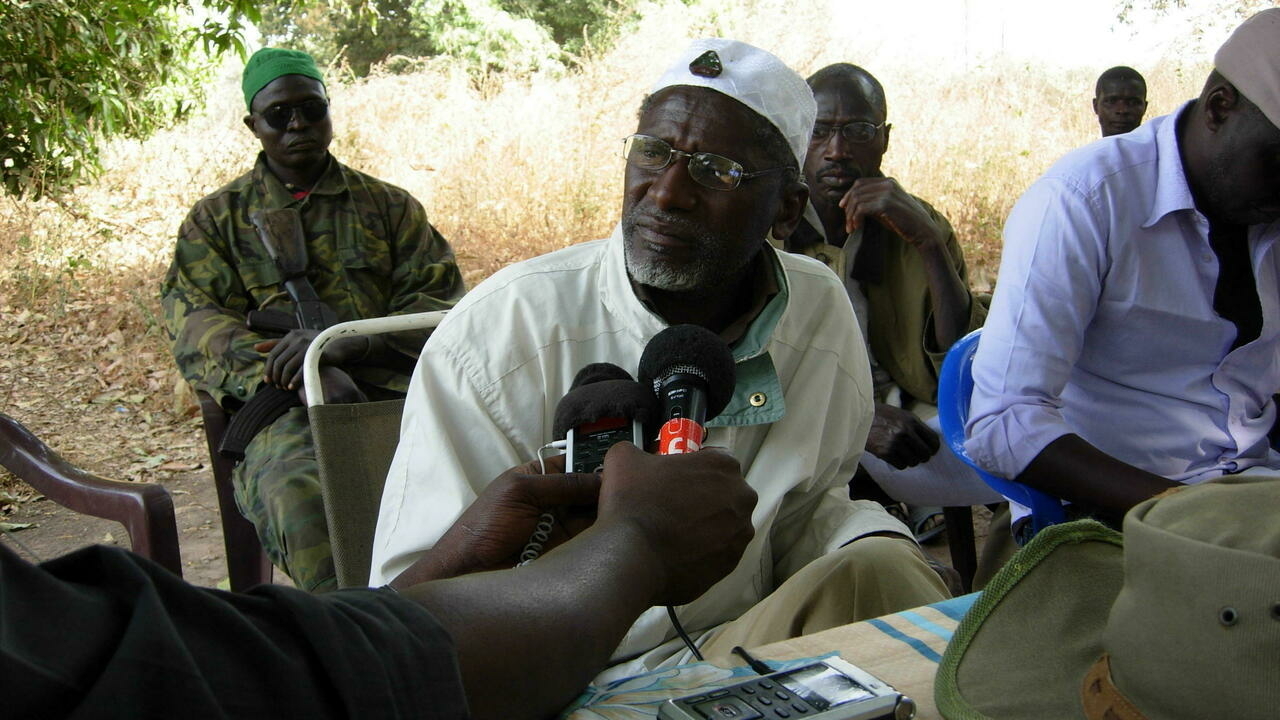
(266, 405)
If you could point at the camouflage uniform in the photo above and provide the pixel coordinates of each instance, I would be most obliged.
(372, 253)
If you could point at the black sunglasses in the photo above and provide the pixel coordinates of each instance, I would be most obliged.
(279, 116)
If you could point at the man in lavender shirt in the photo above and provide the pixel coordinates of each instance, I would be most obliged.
(1134, 339)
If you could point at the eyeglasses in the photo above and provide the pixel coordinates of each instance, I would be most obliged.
(854, 132)
(708, 170)
(279, 116)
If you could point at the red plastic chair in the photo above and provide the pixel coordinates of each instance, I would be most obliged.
(247, 563)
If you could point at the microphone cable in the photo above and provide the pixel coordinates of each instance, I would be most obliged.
(675, 622)
(546, 522)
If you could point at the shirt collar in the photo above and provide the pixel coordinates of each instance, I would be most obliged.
(757, 396)
(764, 287)
(757, 392)
(1172, 191)
(814, 221)
(332, 182)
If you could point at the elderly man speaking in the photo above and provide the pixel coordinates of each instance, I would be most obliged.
(712, 169)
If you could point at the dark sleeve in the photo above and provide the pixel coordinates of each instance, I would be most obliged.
(104, 633)
(978, 304)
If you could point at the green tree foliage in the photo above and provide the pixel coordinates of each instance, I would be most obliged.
(574, 24)
(487, 35)
(73, 72)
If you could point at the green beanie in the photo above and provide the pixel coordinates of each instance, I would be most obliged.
(270, 63)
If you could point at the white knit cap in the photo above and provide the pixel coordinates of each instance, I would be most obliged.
(1250, 60)
(754, 78)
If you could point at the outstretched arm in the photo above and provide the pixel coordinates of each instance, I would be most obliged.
(528, 639)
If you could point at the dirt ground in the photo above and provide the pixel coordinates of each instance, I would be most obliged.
(58, 531)
(107, 427)
(52, 530)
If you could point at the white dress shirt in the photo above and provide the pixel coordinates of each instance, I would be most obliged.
(1103, 323)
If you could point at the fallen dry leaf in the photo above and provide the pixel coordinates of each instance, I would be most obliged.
(179, 466)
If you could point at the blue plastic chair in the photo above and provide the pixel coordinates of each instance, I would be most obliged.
(955, 386)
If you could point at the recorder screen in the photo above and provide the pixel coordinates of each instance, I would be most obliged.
(830, 686)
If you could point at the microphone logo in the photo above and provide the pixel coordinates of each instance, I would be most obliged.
(679, 436)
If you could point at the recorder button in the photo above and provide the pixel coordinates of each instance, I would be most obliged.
(728, 708)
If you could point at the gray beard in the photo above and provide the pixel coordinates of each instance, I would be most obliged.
(663, 276)
(706, 270)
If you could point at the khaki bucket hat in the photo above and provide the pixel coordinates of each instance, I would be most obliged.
(1178, 618)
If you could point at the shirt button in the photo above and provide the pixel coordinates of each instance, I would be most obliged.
(758, 399)
(1206, 258)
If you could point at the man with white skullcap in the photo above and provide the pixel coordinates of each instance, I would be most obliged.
(712, 170)
(1132, 341)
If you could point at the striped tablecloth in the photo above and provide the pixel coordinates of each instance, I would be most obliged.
(902, 649)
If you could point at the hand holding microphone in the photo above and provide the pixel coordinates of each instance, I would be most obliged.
(604, 406)
(492, 530)
(692, 512)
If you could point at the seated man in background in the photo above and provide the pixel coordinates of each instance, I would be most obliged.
(1133, 337)
(103, 633)
(371, 253)
(1120, 100)
(904, 272)
(712, 169)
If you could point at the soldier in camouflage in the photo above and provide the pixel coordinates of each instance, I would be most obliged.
(372, 253)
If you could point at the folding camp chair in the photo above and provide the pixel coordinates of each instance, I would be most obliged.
(354, 447)
(955, 387)
(145, 510)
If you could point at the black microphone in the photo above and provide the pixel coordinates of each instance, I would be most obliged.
(692, 372)
(604, 406)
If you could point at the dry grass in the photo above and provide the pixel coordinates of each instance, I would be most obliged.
(510, 169)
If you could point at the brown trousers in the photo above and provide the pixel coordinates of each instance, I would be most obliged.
(867, 578)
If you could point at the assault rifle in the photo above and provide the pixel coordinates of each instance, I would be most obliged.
(280, 231)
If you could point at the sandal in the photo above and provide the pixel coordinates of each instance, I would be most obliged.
(926, 523)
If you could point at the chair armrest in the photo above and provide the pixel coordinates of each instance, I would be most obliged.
(353, 328)
(145, 510)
